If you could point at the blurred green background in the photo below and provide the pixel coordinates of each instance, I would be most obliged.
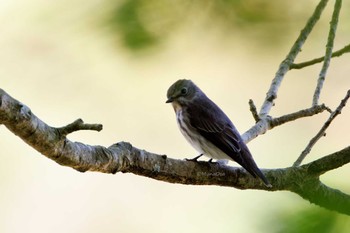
(111, 62)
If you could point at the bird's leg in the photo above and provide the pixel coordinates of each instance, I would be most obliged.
(195, 158)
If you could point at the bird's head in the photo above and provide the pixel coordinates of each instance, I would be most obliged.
(181, 92)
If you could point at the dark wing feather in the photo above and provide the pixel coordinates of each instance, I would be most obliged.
(213, 124)
(221, 135)
(217, 128)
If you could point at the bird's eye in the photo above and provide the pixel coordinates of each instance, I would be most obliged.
(184, 91)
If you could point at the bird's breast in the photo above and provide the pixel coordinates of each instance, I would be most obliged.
(183, 123)
(187, 131)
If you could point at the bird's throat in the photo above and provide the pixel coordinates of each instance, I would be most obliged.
(176, 106)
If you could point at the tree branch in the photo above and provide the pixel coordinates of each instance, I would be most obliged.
(329, 49)
(123, 157)
(254, 111)
(284, 66)
(78, 125)
(267, 123)
(322, 131)
(337, 53)
(317, 193)
(264, 123)
(329, 162)
(299, 114)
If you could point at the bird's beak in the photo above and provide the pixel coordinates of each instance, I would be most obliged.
(171, 99)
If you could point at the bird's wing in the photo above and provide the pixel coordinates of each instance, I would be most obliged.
(217, 129)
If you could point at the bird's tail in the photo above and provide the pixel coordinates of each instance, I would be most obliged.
(258, 173)
(249, 164)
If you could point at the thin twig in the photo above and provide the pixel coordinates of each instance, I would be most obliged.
(284, 66)
(337, 53)
(78, 125)
(267, 123)
(329, 49)
(299, 114)
(322, 131)
(254, 111)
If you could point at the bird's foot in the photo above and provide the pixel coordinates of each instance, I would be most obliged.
(195, 159)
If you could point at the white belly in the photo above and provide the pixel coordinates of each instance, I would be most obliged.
(202, 145)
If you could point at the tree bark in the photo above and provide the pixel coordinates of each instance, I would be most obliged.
(123, 157)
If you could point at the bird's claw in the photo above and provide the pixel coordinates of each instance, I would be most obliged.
(195, 159)
(211, 161)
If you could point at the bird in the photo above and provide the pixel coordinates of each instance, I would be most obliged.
(208, 129)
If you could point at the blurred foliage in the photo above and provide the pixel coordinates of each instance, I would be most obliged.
(310, 220)
(144, 23)
(141, 24)
(248, 12)
(126, 19)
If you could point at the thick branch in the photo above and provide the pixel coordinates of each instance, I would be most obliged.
(317, 193)
(329, 162)
(123, 157)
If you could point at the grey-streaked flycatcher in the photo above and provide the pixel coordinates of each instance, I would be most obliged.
(207, 128)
